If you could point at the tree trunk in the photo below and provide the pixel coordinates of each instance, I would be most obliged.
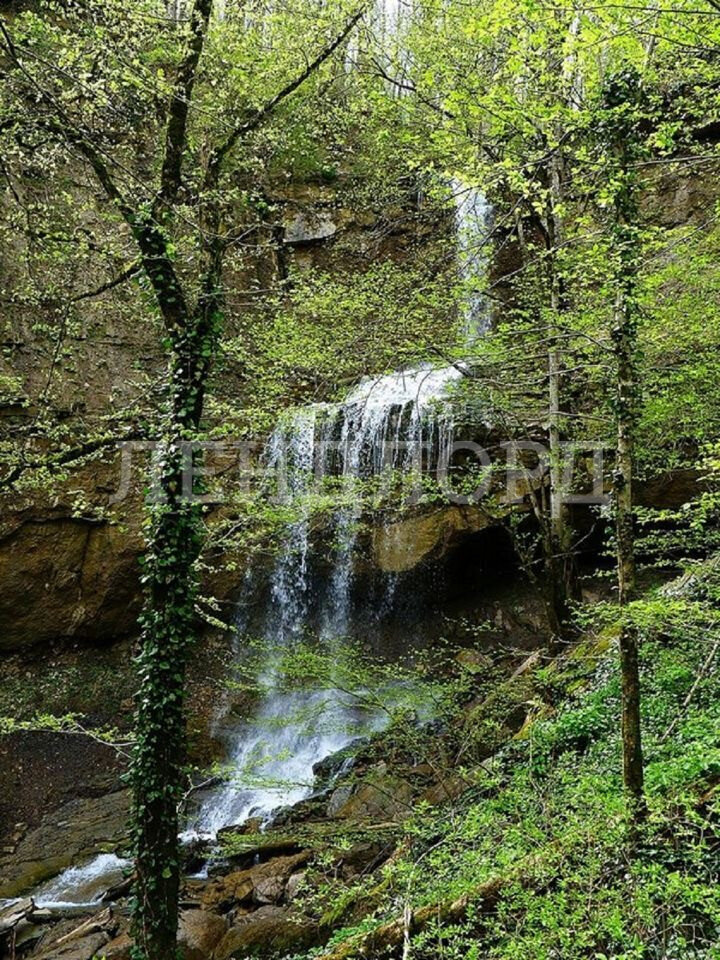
(168, 621)
(559, 559)
(624, 336)
(623, 92)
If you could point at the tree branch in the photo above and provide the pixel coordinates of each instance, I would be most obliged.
(176, 136)
(131, 271)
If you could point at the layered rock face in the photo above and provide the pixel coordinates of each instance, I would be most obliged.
(69, 543)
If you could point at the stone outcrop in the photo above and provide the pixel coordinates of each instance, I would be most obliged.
(262, 884)
(68, 577)
(380, 796)
(403, 545)
(199, 933)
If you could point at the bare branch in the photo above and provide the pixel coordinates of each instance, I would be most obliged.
(176, 136)
(131, 271)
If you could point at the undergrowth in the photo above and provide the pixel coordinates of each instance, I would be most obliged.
(547, 817)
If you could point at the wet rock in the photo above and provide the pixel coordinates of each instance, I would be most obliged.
(75, 832)
(199, 933)
(84, 948)
(339, 798)
(259, 849)
(340, 762)
(13, 913)
(118, 948)
(267, 932)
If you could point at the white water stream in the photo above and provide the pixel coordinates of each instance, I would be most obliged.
(81, 885)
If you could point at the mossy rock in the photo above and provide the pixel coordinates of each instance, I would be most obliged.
(267, 933)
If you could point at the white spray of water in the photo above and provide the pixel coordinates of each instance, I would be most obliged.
(385, 423)
(81, 885)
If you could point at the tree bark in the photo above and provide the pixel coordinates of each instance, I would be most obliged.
(559, 559)
(624, 346)
(622, 97)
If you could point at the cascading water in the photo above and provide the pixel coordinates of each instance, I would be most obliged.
(81, 885)
(394, 422)
(473, 228)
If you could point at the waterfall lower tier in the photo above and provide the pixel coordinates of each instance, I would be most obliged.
(275, 754)
(82, 885)
(400, 422)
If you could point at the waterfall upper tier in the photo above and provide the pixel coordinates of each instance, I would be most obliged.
(418, 385)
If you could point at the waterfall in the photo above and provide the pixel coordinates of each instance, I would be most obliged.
(290, 457)
(473, 226)
(395, 422)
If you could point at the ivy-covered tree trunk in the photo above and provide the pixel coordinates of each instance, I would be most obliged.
(167, 622)
(622, 100)
(174, 541)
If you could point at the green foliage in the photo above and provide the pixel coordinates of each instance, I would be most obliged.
(549, 820)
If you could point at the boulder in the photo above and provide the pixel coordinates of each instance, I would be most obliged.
(339, 798)
(84, 948)
(267, 932)
(294, 885)
(224, 892)
(474, 661)
(262, 884)
(379, 797)
(339, 762)
(199, 933)
(362, 855)
(449, 788)
(118, 948)
(12, 913)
